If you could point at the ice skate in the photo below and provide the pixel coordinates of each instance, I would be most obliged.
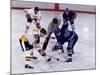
(68, 60)
(42, 52)
(33, 57)
(28, 66)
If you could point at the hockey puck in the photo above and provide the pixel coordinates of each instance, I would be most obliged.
(48, 59)
(57, 59)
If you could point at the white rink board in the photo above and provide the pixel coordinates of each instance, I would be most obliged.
(47, 5)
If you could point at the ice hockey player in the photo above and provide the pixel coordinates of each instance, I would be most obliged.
(67, 36)
(69, 16)
(27, 48)
(52, 28)
(37, 41)
(36, 35)
(33, 16)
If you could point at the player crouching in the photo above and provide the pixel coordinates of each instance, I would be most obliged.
(67, 36)
(28, 50)
(36, 43)
(37, 33)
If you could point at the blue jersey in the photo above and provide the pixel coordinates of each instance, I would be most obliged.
(66, 34)
(69, 17)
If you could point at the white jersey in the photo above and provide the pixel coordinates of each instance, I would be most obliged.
(32, 13)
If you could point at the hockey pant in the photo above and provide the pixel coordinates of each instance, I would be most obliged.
(28, 50)
(71, 43)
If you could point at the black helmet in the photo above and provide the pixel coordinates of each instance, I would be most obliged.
(36, 9)
(55, 20)
(43, 31)
(67, 9)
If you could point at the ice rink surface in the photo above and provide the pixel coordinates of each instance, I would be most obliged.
(84, 57)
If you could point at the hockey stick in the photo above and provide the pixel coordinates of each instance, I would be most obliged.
(42, 53)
